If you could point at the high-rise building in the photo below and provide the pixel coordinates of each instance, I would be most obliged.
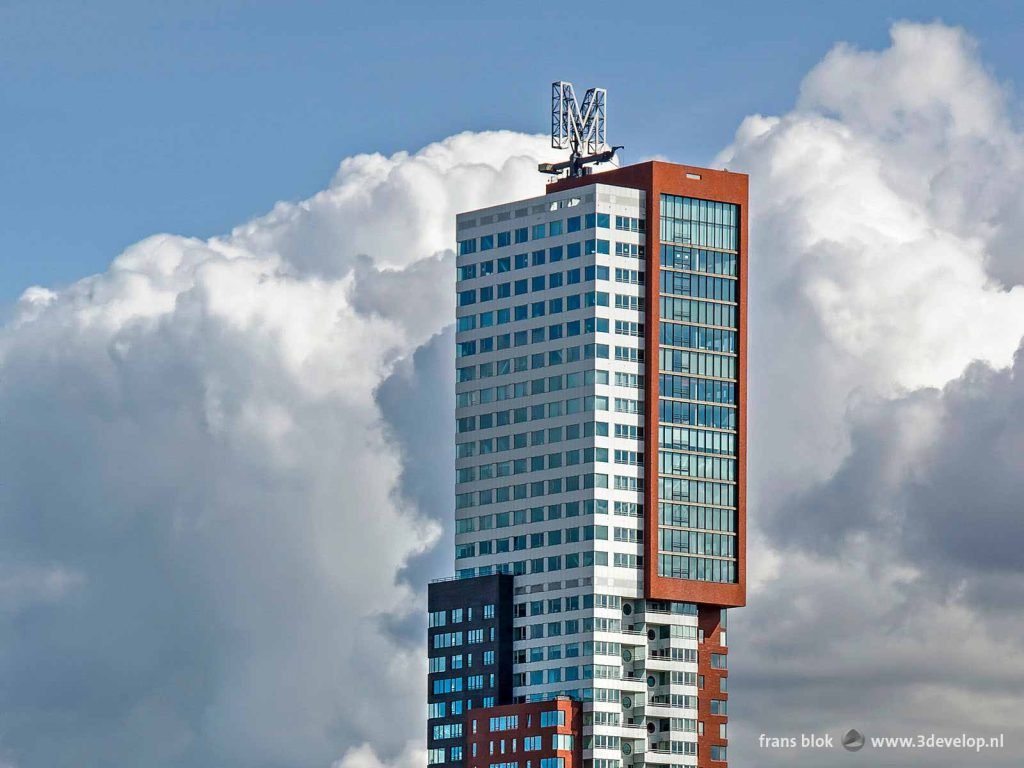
(600, 451)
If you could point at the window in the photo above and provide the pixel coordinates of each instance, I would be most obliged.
(629, 224)
(630, 276)
(552, 718)
(626, 405)
(447, 685)
(506, 723)
(699, 222)
(625, 301)
(629, 250)
(448, 731)
(629, 354)
(633, 380)
(626, 328)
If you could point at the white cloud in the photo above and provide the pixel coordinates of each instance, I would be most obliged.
(201, 487)
(861, 281)
(879, 271)
(364, 756)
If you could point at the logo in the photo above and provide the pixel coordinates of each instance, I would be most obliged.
(853, 740)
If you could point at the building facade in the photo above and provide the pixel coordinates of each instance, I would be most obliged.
(469, 656)
(600, 454)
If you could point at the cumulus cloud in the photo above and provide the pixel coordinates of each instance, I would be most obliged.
(863, 281)
(206, 516)
(885, 314)
(364, 756)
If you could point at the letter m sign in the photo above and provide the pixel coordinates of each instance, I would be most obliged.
(581, 129)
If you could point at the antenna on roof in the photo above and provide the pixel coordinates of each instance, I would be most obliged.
(581, 130)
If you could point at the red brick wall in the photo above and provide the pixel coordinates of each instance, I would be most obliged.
(709, 622)
(478, 733)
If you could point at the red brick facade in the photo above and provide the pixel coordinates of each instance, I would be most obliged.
(519, 726)
(710, 627)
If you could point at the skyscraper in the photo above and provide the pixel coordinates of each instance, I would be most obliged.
(600, 451)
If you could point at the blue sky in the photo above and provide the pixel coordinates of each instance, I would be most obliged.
(122, 119)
